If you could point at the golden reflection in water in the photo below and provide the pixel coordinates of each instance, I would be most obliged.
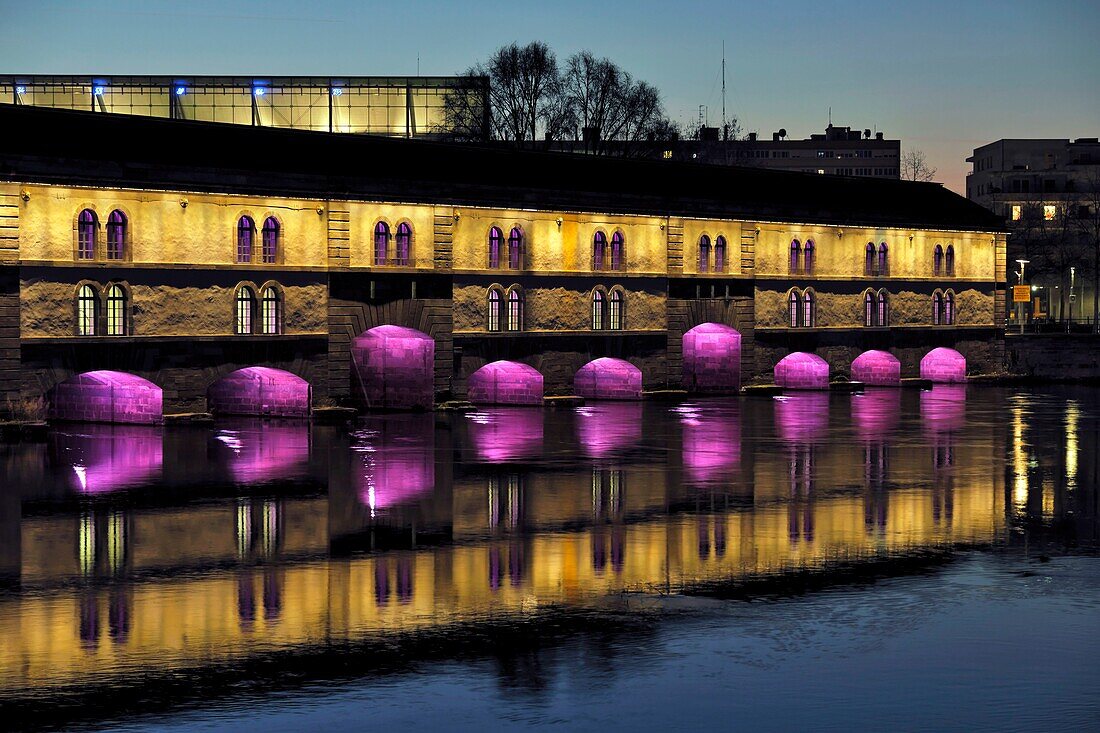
(1073, 414)
(1019, 461)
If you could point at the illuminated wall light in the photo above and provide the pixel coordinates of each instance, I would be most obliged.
(180, 91)
(20, 90)
(99, 91)
(259, 91)
(337, 91)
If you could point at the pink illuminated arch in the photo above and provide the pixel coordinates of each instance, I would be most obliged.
(393, 367)
(712, 358)
(106, 396)
(505, 383)
(802, 370)
(878, 368)
(260, 390)
(608, 379)
(944, 366)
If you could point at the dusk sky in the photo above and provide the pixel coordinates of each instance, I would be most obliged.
(941, 76)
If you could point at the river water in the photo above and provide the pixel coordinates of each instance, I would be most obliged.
(896, 560)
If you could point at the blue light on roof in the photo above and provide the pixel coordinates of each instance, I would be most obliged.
(180, 91)
(99, 91)
(337, 91)
(258, 91)
(20, 90)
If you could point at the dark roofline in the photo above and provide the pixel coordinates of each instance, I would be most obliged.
(89, 148)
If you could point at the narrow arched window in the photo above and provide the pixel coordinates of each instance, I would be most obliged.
(515, 311)
(515, 248)
(116, 235)
(246, 232)
(246, 305)
(599, 250)
(794, 308)
(704, 253)
(949, 308)
(269, 238)
(869, 261)
(597, 310)
(950, 261)
(808, 258)
(937, 261)
(86, 306)
(720, 254)
(86, 225)
(495, 306)
(796, 257)
(381, 242)
(615, 311)
(868, 309)
(937, 308)
(496, 244)
(116, 311)
(403, 244)
(808, 310)
(883, 309)
(883, 259)
(271, 311)
(618, 251)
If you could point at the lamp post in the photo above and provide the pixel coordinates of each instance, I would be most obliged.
(1072, 273)
(1019, 306)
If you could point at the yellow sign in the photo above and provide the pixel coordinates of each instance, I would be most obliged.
(1021, 294)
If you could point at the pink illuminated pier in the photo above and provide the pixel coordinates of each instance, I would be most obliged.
(802, 370)
(712, 358)
(260, 391)
(106, 396)
(943, 366)
(505, 383)
(877, 368)
(608, 379)
(394, 368)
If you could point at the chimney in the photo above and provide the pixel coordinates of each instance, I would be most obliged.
(878, 135)
(752, 137)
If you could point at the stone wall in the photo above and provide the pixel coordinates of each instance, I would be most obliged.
(1054, 356)
(558, 308)
(846, 309)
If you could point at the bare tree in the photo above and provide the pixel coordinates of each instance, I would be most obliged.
(914, 166)
(1087, 218)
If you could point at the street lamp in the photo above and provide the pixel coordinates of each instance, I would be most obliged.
(1072, 273)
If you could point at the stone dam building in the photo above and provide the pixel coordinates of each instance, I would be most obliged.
(152, 266)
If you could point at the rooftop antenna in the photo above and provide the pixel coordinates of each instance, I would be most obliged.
(830, 116)
(418, 64)
(725, 130)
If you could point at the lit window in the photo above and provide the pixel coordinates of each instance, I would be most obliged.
(883, 259)
(618, 251)
(883, 309)
(949, 308)
(868, 309)
(494, 309)
(116, 235)
(937, 308)
(597, 310)
(496, 244)
(599, 249)
(515, 311)
(719, 254)
(271, 311)
(808, 257)
(937, 260)
(949, 261)
(116, 311)
(381, 242)
(1017, 212)
(86, 225)
(85, 311)
(704, 253)
(615, 311)
(269, 237)
(794, 307)
(246, 302)
(796, 257)
(515, 248)
(403, 244)
(246, 231)
(869, 261)
(1049, 210)
(809, 313)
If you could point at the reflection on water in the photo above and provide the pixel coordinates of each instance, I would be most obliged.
(430, 521)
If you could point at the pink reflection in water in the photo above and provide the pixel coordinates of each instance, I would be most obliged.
(711, 442)
(395, 461)
(260, 450)
(501, 434)
(875, 412)
(802, 417)
(605, 428)
(98, 459)
(943, 408)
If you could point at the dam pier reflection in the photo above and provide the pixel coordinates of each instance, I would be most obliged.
(154, 551)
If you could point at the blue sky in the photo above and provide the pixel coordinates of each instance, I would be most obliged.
(942, 76)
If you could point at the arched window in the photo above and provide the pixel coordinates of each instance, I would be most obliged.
(246, 305)
(246, 232)
(381, 242)
(796, 257)
(950, 261)
(495, 305)
(116, 311)
(809, 312)
(515, 249)
(496, 244)
(869, 261)
(86, 306)
(937, 261)
(599, 250)
(719, 254)
(271, 311)
(403, 244)
(618, 251)
(883, 308)
(949, 308)
(808, 257)
(868, 309)
(883, 259)
(937, 308)
(615, 311)
(597, 310)
(704, 253)
(269, 237)
(116, 235)
(86, 225)
(794, 308)
(515, 310)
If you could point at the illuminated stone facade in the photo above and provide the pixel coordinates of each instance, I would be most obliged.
(196, 269)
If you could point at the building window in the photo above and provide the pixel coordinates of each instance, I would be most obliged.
(618, 252)
(269, 238)
(794, 308)
(495, 304)
(515, 310)
(949, 308)
(949, 261)
(1017, 212)
(515, 248)
(937, 308)
(883, 309)
(246, 304)
(809, 310)
(883, 260)
(808, 257)
(793, 266)
(246, 232)
(704, 253)
(86, 306)
(597, 310)
(1049, 211)
(868, 309)
(116, 235)
(116, 311)
(720, 254)
(615, 311)
(937, 260)
(403, 244)
(869, 260)
(86, 225)
(271, 311)
(599, 250)
(381, 242)
(496, 244)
